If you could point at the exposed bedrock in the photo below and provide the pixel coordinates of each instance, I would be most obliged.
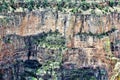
(90, 40)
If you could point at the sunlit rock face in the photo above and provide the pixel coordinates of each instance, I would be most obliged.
(42, 20)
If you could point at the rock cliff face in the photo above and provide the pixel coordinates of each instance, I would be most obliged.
(91, 40)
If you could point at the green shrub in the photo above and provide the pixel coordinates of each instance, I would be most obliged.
(111, 3)
(84, 5)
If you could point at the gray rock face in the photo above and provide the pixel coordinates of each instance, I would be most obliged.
(85, 73)
(80, 58)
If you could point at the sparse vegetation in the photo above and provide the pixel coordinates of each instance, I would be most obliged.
(52, 40)
(59, 5)
(101, 35)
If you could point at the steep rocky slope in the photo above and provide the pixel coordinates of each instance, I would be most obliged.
(92, 40)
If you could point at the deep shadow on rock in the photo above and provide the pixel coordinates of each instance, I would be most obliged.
(85, 73)
(34, 64)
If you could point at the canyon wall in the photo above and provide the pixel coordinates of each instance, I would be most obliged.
(89, 38)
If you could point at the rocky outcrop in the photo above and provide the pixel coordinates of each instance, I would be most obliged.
(91, 40)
